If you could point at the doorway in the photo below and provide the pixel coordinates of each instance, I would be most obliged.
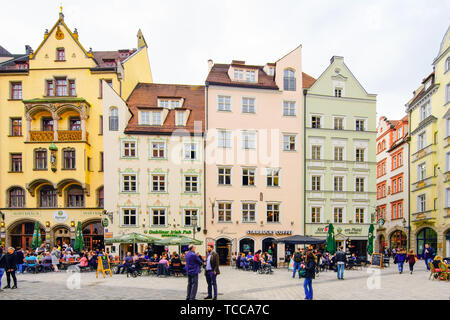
(223, 247)
(269, 245)
(22, 235)
(246, 245)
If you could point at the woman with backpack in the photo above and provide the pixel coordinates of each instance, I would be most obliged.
(297, 257)
(310, 268)
(400, 257)
(411, 258)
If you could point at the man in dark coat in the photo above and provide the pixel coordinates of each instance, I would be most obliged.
(310, 274)
(193, 264)
(211, 271)
(428, 255)
(11, 267)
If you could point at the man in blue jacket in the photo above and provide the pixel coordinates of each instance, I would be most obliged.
(428, 255)
(193, 264)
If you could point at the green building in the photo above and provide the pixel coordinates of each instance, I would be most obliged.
(340, 160)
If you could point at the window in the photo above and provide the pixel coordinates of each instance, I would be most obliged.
(224, 176)
(273, 178)
(238, 74)
(248, 105)
(273, 212)
(315, 122)
(338, 92)
(40, 160)
(359, 155)
(113, 119)
(289, 80)
(101, 198)
(75, 197)
(102, 162)
(16, 90)
(447, 93)
(421, 171)
(315, 152)
(158, 217)
(108, 82)
(338, 215)
(158, 182)
(158, 150)
(289, 142)
(359, 182)
(397, 210)
(224, 211)
(47, 197)
(315, 183)
(47, 124)
(145, 118)
(129, 183)
(188, 214)
(248, 140)
(224, 103)
(75, 124)
(191, 183)
(129, 149)
(72, 88)
(315, 214)
(338, 184)
(359, 125)
(359, 216)
(190, 151)
(248, 212)
(421, 141)
(129, 217)
(50, 88)
(224, 138)
(397, 184)
(179, 118)
(60, 54)
(250, 76)
(164, 104)
(16, 162)
(16, 198)
(101, 125)
(248, 176)
(61, 87)
(338, 153)
(447, 64)
(156, 118)
(69, 159)
(425, 111)
(289, 108)
(338, 123)
(421, 205)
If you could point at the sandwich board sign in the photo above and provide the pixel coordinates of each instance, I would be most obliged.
(377, 260)
(103, 265)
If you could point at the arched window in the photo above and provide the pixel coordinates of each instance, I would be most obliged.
(16, 198)
(447, 64)
(113, 119)
(75, 197)
(101, 197)
(289, 80)
(48, 197)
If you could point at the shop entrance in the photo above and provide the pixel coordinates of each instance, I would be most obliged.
(22, 235)
(93, 236)
(247, 245)
(358, 247)
(62, 236)
(269, 245)
(426, 236)
(223, 248)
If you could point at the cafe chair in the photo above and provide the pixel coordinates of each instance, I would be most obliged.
(444, 275)
(434, 273)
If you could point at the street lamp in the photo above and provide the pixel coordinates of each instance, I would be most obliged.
(194, 222)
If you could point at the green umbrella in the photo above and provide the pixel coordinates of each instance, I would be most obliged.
(79, 241)
(177, 241)
(36, 240)
(370, 246)
(131, 238)
(331, 243)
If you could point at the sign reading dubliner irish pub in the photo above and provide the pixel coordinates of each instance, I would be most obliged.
(347, 230)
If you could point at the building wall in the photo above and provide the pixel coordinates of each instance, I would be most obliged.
(354, 104)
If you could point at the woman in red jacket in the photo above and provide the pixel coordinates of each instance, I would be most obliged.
(411, 258)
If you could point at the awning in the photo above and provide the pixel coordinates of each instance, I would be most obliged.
(300, 240)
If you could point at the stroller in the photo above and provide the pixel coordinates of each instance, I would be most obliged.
(134, 269)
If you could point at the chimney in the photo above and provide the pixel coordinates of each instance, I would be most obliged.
(75, 33)
(210, 64)
(238, 62)
(28, 50)
(335, 58)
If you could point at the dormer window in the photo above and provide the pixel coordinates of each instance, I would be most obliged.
(289, 80)
(238, 74)
(250, 76)
(60, 54)
(156, 118)
(174, 104)
(427, 84)
(169, 104)
(21, 65)
(271, 71)
(144, 118)
(179, 118)
(338, 92)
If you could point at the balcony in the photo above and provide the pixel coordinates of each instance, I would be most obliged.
(62, 136)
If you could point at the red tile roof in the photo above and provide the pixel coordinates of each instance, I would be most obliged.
(146, 95)
(308, 81)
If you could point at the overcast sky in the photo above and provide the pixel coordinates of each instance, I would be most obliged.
(388, 44)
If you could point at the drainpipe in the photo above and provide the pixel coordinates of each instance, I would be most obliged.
(204, 163)
(305, 92)
(409, 181)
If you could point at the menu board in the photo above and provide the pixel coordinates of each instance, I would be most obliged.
(103, 265)
(377, 260)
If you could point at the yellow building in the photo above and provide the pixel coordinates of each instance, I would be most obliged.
(51, 163)
(429, 115)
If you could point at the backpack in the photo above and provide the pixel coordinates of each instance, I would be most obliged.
(298, 257)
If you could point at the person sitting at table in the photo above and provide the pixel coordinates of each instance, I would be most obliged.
(135, 257)
(163, 265)
(84, 262)
(31, 261)
(175, 263)
(244, 262)
(154, 258)
(351, 261)
(47, 261)
(67, 256)
(238, 261)
(126, 263)
(436, 261)
(93, 260)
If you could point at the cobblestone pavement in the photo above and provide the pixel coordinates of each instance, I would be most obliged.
(234, 285)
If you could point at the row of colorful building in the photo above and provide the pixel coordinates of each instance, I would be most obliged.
(256, 154)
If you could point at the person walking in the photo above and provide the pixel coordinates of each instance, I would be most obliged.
(193, 264)
(411, 258)
(310, 268)
(56, 254)
(11, 267)
(211, 271)
(401, 257)
(2, 267)
(297, 262)
(341, 259)
(428, 255)
(20, 260)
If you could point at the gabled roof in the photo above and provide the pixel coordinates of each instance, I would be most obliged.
(420, 92)
(145, 96)
(307, 80)
(4, 52)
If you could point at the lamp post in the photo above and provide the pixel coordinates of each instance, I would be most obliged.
(194, 222)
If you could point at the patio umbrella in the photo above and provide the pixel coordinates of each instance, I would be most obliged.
(132, 238)
(331, 243)
(370, 246)
(300, 240)
(36, 240)
(177, 241)
(79, 241)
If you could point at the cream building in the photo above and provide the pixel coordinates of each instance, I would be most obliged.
(154, 174)
(253, 155)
